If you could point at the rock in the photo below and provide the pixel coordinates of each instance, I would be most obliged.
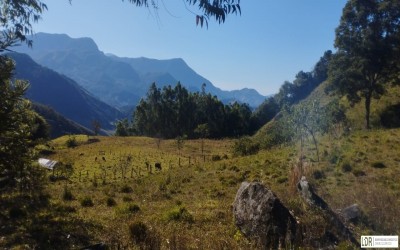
(351, 213)
(308, 194)
(260, 215)
(335, 224)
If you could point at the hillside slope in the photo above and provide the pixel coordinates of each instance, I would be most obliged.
(385, 112)
(59, 125)
(189, 201)
(63, 94)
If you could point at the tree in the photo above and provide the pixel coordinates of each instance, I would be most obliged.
(122, 128)
(202, 131)
(368, 41)
(96, 125)
(217, 9)
(18, 126)
(307, 119)
(16, 21)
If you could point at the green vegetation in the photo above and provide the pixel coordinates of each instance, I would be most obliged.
(148, 193)
(367, 31)
(87, 202)
(181, 203)
(175, 112)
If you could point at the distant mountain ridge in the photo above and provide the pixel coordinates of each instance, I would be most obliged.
(121, 81)
(62, 94)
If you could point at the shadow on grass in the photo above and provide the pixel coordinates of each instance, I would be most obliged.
(30, 221)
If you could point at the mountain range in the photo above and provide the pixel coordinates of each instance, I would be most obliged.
(63, 94)
(121, 81)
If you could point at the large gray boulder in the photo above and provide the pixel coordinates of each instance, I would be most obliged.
(260, 215)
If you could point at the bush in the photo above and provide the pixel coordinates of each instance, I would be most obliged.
(318, 174)
(138, 232)
(215, 158)
(378, 165)
(87, 202)
(179, 214)
(67, 195)
(133, 208)
(346, 167)
(126, 189)
(111, 202)
(126, 199)
(245, 146)
(282, 179)
(71, 142)
(390, 117)
(358, 173)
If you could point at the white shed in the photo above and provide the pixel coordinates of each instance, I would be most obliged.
(46, 163)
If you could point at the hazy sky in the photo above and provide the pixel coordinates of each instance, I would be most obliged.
(269, 43)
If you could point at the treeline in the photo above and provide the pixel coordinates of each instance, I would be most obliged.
(174, 111)
(291, 93)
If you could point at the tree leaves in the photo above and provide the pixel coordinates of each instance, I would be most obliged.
(367, 39)
(173, 112)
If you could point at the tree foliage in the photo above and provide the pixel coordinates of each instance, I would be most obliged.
(368, 42)
(304, 83)
(16, 18)
(217, 9)
(292, 93)
(19, 127)
(173, 112)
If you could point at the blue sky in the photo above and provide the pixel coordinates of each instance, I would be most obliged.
(269, 43)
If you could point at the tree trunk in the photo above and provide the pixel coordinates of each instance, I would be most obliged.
(367, 109)
(315, 144)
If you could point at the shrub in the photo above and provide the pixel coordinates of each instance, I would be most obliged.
(133, 208)
(126, 189)
(179, 214)
(378, 165)
(390, 117)
(335, 156)
(87, 202)
(346, 167)
(245, 146)
(358, 173)
(71, 142)
(318, 174)
(111, 202)
(126, 199)
(282, 179)
(138, 232)
(67, 195)
(215, 158)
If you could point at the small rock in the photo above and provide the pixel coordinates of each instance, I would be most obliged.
(351, 213)
(308, 194)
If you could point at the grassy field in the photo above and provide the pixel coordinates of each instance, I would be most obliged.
(104, 190)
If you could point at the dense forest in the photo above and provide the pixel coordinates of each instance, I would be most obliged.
(173, 112)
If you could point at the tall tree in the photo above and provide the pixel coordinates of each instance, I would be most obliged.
(368, 42)
(19, 125)
(16, 122)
